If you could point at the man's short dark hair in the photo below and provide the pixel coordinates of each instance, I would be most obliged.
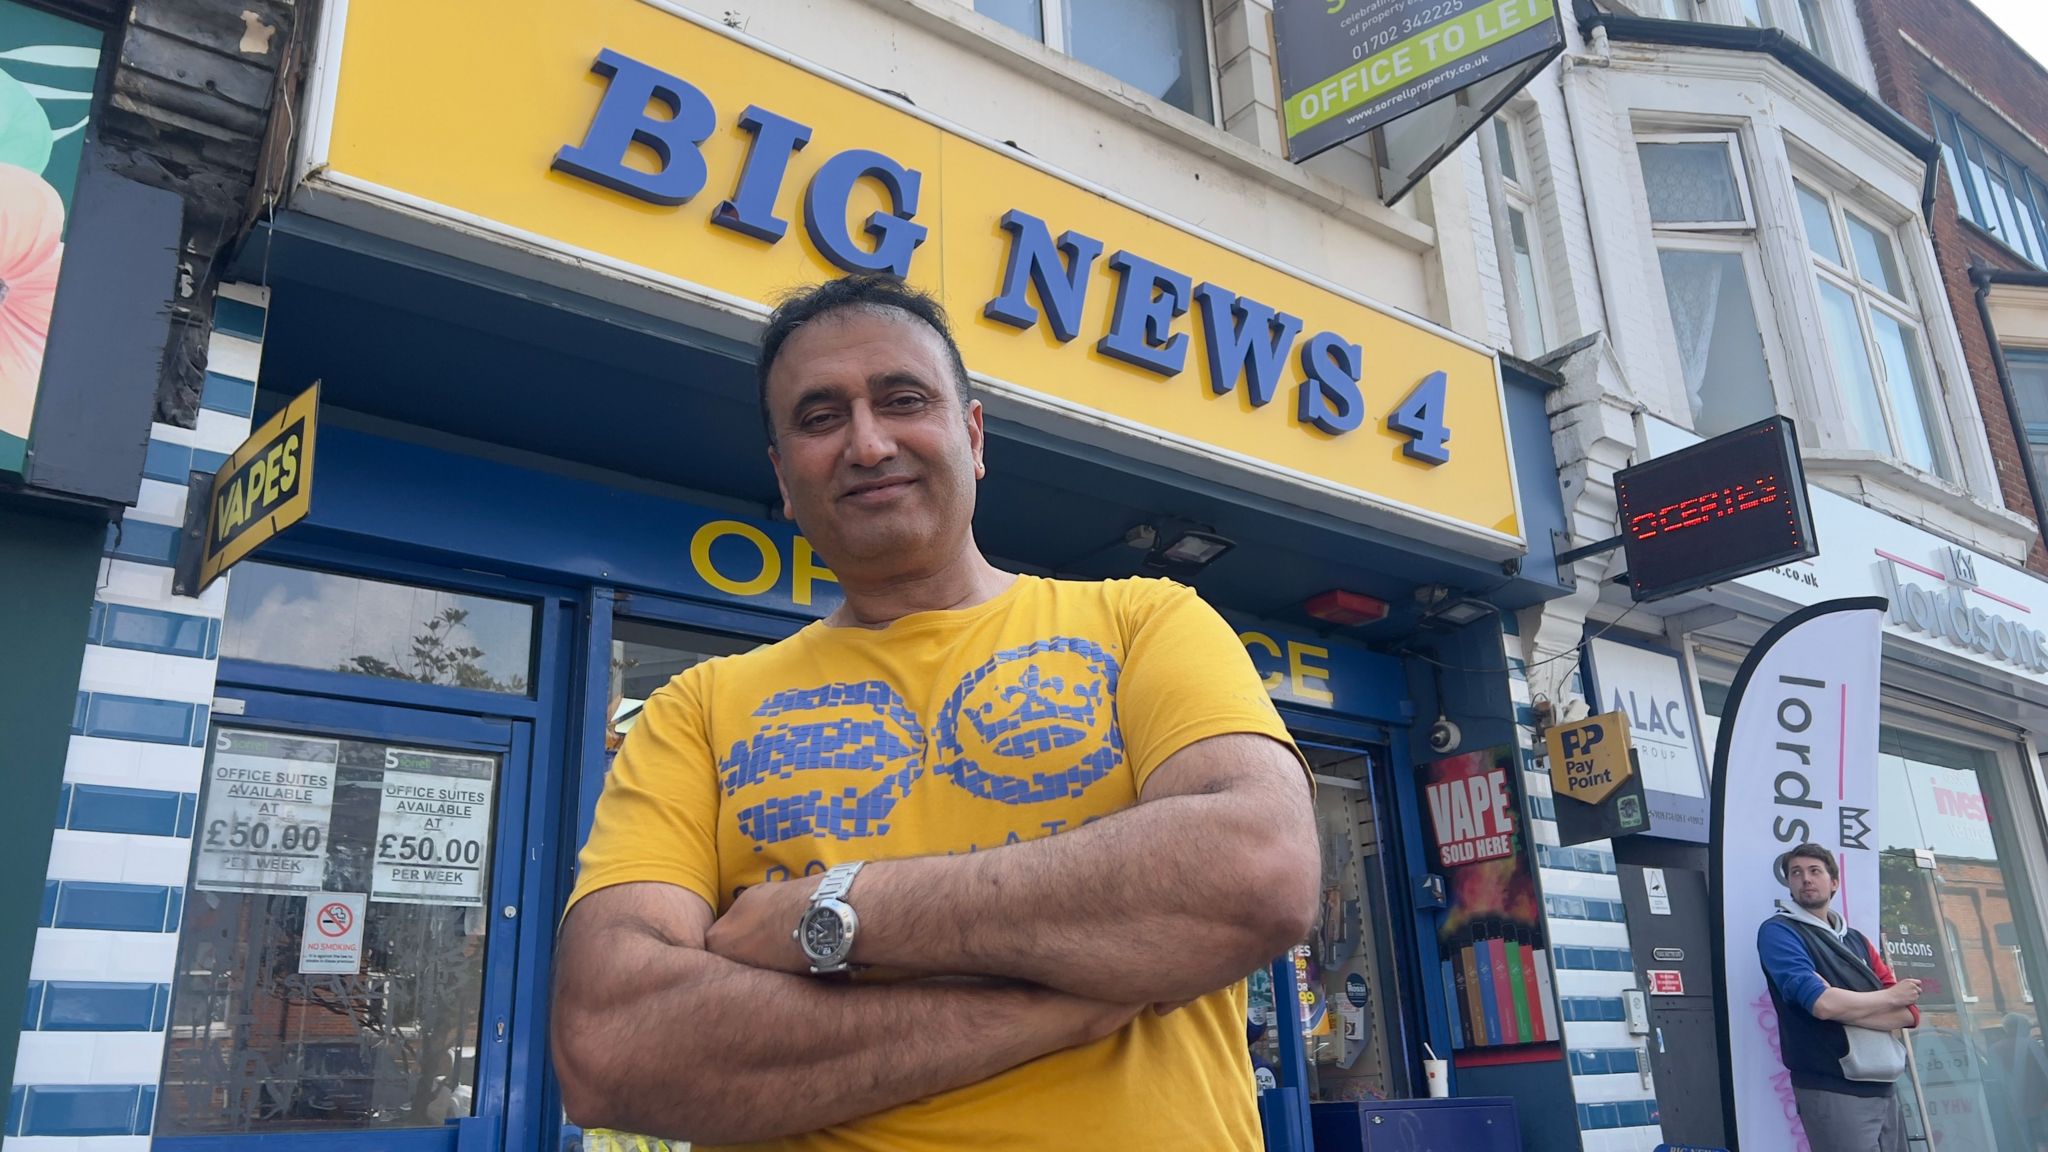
(862, 291)
(1809, 852)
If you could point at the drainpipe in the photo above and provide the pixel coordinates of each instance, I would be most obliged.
(1520, 332)
(1981, 277)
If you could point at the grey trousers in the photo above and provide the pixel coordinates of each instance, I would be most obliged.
(1837, 1122)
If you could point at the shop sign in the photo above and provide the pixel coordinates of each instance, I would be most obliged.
(1649, 685)
(1350, 66)
(1869, 552)
(47, 68)
(264, 488)
(1496, 965)
(1960, 613)
(1716, 510)
(1076, 308)
(433, 828)
(1911, 930)
(332, 941)
(1589, 759)
(269, 800)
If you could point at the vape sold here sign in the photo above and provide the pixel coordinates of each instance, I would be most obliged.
(1472, 813)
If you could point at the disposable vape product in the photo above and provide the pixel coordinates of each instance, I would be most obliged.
(1493, 984)
(1454, 997)
(1475, 1005)
(1532, 991)
(1544, 998)
(1503, 994)
(1518, 992)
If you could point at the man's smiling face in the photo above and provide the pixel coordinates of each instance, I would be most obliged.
(876, 456)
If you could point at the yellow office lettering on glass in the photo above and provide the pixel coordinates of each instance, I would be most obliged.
(1077, 309)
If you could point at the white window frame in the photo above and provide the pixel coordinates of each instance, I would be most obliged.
(1520, 196)
(1729, 139)
(1052, 32)
(1905, 310)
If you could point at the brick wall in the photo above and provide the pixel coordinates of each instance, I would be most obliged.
(1978, 54)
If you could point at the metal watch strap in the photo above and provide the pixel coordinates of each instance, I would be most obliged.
(837, 882)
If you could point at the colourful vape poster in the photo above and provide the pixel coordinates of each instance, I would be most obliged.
(1491, 935)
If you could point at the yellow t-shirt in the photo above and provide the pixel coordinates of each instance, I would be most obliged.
(1036, 712)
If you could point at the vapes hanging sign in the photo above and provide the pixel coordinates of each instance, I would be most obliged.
(1471, 809)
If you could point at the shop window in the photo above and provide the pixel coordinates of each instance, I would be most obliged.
(1525, 233)
(646, 656)
(266, 1035)
(1993, 191)
(1871, 329)
(1952, 875)
(1160, 47)
(2027, 371)
(1706, 250)
(335, 623)
(1345, 969)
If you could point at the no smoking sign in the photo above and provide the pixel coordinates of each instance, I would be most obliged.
(332, 943)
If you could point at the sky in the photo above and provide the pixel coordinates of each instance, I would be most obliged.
(2024, 20)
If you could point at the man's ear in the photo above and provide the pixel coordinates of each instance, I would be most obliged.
(775, 462)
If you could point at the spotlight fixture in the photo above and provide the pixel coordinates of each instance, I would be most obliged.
(1445, 607)
(1180, 548)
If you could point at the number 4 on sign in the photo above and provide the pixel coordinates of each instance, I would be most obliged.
(1420, 417)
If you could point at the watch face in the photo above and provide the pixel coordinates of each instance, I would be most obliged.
(824, 933)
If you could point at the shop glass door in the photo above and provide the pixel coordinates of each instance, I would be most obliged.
(352, 916)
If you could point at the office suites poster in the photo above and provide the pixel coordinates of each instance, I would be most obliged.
(1496, 962)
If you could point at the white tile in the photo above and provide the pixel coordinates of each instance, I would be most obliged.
(234, 356)
(1644, 1139)
(1576, 982)
(157, 860)
(43, 1143)
(1588, 933)
(88, 855)
(127, 672)
(133, 764)
(1598, 1034)
(218, 431)
(134, 583)
(1608, 1087)
(161, 500)
(127, 1057)
(109, 1144)
(90, 954)
(54, 1058)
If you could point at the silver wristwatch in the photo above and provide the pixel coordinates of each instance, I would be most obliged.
(825, 931)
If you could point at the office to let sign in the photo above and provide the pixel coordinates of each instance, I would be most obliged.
(433, 828)
(269, 800)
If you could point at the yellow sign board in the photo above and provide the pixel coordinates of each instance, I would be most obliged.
(264, 488)
(1589, 758)
(638, 137)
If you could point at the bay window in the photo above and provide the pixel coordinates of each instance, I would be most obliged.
(1525, 236)
(1871, 331)
(1706, 249)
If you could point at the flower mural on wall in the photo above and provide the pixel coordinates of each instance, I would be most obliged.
(31, 249)
(45, 105)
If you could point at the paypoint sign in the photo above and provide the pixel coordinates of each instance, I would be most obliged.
(665, 148)
(1589, 759)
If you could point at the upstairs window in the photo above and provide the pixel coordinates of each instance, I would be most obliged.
(1706, 250)
(1525, 236)
(1996, 192)
(2027, 370)
(1872, 332)
(1158, 46)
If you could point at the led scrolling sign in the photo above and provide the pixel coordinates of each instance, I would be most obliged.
(1722, 508)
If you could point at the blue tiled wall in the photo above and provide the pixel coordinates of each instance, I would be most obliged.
(96, 1006)
(112, 907)
(139, 718)
(142, 811)
(228, 394)
(175, 463)
(1570, 958)
(1609, 1008)
(1575, 859)
(80, 1110)
(1620, 1114)
(1605, 1061)
(1586, 908)
(143, 541)
(154, 630)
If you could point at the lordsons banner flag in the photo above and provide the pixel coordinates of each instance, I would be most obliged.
(1796, 762)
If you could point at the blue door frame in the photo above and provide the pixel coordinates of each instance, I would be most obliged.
(510, 739)
(517, 1105)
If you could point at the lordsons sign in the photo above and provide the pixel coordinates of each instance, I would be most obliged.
(1948, 614)
(648, 141)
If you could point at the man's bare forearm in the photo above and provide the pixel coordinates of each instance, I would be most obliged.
(668, 1040)
(1163, 902)
(1881, 1017)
